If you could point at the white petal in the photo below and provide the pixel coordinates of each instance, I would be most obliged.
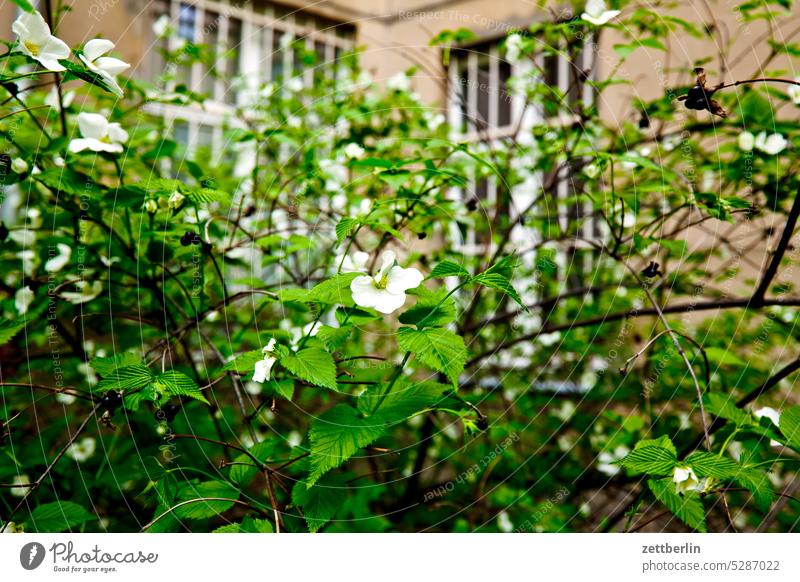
(262, 370)
(389, 302)
(116, 133)
(58, 262)
(50, 64)
(23, 299)
(111, 65)
(97, 47)
(55, 48)
(365, 294)
(93, 125)
(79, 144)
(400, 280)
(31, 27)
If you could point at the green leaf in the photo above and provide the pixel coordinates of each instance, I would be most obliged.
(688, 507)
(652, 457)
(724, 406)
(406, 399)
(790, 426)
(437, 348)
(24, 5)
(320, 502)
(313, 365)
(337, 435)
(504, 267)
(500, 283)
(722, 356)
(422, 315)
(334, 337)
(8, 329)
(179, 384)
(108, 366)
(448, 269)
(711, 465)
(126, 379)
(57, 517)
(222, 497)
(248, 525)
(345, 228)
(757, 483)
(334, 290)
(245, 363)
(244, 473)
(207, 196)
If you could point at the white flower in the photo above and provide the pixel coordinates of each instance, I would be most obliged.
(58, 262)
(162, 27)
(11, 528)
(82, 450)
(596, 13)
(107, 67)
(746, 141)
(504, 522)
(685, 480)
(20, 480)
(549, 339)
(770, 413)
(400, 82)
(606, 460)
(355, 264)
(435, 121)
(52, 99)
(513, 48)
(98, 135)
(353, 151)
(23, 299)
(19, 165)
(295, 84)
(59, 161)
(263, 368)
(65, 398)
(386, 291)
(591, 171)
(175, 200)
(772, 144)
(151, 206)
(794, 92)
(85, 292)
(36, 41)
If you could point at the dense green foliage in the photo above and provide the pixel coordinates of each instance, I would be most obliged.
(549, 379)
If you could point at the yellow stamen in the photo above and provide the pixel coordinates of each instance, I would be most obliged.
(33, 48)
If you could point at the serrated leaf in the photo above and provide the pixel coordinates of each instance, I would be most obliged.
(179, 384)
(790, 426)
(757, 483)
(406, 399)
(57, 517)
(8, 329)
(688, 507)
(107, 366)
(333, 290)
(448, 269)
(651, 457)
(313, 365)
(248, 525)
(344, 228)
(711, 465)
(126, 379)
(222, 499)
(437, 348)
(337, 435)
(320, 502)
(207, 196)
(500, 283)
(333, 337)
(422, 315)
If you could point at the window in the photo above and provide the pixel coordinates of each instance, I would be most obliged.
(246, 44)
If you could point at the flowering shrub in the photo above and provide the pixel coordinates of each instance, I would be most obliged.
(292, 335)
